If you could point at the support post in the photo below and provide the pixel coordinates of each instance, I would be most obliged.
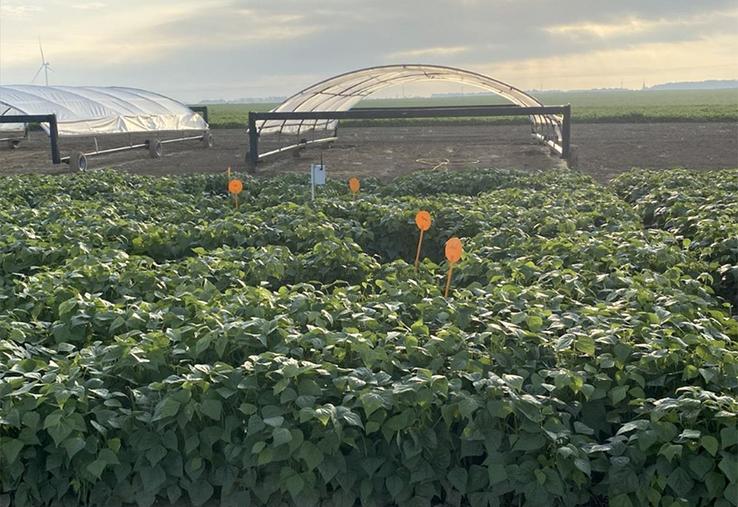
(54, 138)
(566, 133)
(253, 155)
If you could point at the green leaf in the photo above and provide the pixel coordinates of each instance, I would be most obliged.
(583, 428)
(395, 486)
(212, 408)
(680, 482)
(534, 323)
(156, 454)
(275, 421)
(715, 483)
(617, 394)
(458, 478)
(729, 466)
(247, 408)
(583, 465)
(73, 446)
(311, 454)
(96, 468)
(200, 492)
(700, 465)
(153, 478)
(728, 437)
(397, 422)
(10, 448)
(371, 402)
(468, 406)
(295, 484)
(669, 451)
(710, 444)
(281, 436)
(515, 381)
(585, 345)
(529, 407)
(497, 473)
(168, 407)
(203, 344)
(731, 493)
(349, 417)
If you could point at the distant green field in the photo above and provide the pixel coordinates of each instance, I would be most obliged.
(587, 106)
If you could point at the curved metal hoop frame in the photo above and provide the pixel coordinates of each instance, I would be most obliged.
(342, 92)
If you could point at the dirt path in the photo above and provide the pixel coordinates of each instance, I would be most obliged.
(604, 150)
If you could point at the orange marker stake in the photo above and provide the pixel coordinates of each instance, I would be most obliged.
(354, 186)
(235, 187)
(453, 254)
(423, 221)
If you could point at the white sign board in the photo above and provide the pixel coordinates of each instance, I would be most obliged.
(317, 174)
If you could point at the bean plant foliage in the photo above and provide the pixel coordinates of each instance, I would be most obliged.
(159, 346)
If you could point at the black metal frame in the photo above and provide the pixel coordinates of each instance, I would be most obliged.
(545, 125)
(56, 157)
(40, 118)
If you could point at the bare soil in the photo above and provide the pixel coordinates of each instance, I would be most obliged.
(604, 150)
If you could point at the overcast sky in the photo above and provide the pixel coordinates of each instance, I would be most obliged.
(200, 49)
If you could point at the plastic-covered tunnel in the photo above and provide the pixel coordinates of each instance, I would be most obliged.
(94, 110)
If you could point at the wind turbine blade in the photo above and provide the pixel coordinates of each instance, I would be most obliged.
(49, 67)
(40, 47)
(36, 74)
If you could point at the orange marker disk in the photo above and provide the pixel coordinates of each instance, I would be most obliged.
(354, 185)
(235, 187)
(423, 221)
(453, 255)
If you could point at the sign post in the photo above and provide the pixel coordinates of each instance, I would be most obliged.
(423, 221)
(453, 254)
(317, 177)
(235, 187)
(354, 185)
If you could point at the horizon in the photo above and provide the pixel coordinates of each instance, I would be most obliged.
(385, 96)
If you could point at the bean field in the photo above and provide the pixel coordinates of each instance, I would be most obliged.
(160, 346)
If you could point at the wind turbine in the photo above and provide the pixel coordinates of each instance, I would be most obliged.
(45, 66)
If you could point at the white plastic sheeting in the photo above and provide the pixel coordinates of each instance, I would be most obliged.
(92, 110)
(342, 92)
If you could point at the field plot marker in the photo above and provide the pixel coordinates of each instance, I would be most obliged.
(235, 187)
(453, 254)
(354, 185)
(423, 221)
(317, 176)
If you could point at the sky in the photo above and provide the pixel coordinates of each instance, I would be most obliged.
(208, 49)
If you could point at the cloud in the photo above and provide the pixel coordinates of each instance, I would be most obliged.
(633, 26)
(12, 9)
(427, 52)
(650, 62)
(274, 48)
(605, 30)
(88, 6)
